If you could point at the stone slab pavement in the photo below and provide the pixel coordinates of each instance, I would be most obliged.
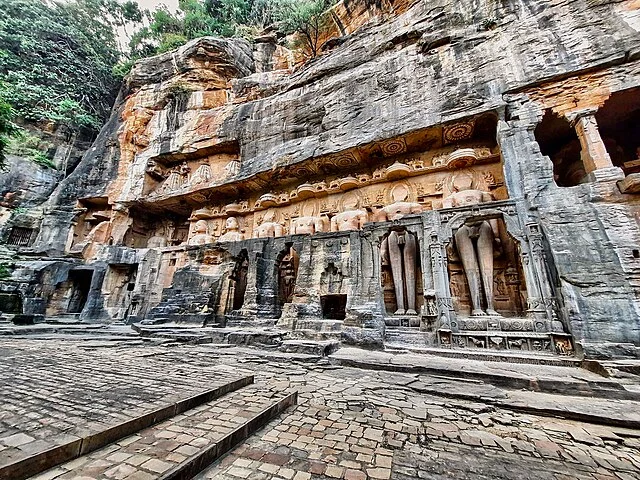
(52, 393)
(349, 423)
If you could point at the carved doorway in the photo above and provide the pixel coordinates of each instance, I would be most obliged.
(120, 283)
(333, 306)
(71, 295)
(239, 280)
(287, 271)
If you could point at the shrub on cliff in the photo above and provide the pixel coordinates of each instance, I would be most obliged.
(56, 59)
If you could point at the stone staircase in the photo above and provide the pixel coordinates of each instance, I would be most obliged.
(173, 443)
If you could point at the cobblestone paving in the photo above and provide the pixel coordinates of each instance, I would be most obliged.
(357, 424)
(51, 392)
(158, 449)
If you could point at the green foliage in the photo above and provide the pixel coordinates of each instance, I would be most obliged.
(306, 18)
(32, 147)
(228, 18)
(8, 129)
(5, 272)
(57, 58)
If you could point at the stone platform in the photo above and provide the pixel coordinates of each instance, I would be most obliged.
(348, 421)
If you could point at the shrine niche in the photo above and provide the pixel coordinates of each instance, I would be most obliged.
(238, 281)
(496, 288)
(92, 223)
(147, 230)
(118, 287)
(70, 296)
(619, 124)
(287, 271)
(559, 141)
(401, 274)
(167, 176)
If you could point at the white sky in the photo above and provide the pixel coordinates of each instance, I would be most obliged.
(152, 4)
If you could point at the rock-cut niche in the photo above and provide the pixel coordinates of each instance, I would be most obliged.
(287, 271)
(401, 274)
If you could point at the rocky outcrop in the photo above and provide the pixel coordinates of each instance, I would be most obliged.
(404, 92)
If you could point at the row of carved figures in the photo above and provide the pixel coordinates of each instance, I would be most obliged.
(352, 218)
(179, 177)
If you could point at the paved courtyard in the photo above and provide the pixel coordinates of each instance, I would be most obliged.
(349, 423)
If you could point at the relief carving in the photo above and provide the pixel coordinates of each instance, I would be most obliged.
(474, 243)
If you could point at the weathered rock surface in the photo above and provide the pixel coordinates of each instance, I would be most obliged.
(207, 132)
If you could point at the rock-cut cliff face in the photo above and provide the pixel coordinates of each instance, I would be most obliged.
(236, 128)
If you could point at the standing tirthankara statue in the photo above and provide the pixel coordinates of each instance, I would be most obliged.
(399, 252)
(399, 208)
(474, 243)
(201, 234)
(269, 227)
(232, 231)
(350, 219)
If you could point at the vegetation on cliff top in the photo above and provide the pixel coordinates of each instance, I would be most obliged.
(61, 62)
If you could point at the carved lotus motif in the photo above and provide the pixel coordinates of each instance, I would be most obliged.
(267, 200)
(306, 190)
(348, 183)
(398, 170)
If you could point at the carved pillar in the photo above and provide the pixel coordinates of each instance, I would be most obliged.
(540, 295)
(541, 267)
(593, 152)
(250, 305)
(446, 316)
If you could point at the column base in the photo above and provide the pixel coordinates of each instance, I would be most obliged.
(609, 174)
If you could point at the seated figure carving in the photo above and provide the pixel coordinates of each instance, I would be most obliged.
(232, 231)
(308, 225)
(351, 219)
(474, 243)
(400, 206)
(269, 227)
(201, 236)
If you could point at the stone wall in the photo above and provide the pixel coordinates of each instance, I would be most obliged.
(386, 92)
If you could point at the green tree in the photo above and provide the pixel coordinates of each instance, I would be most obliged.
(58, 57)
(305, 17)
(7, 127)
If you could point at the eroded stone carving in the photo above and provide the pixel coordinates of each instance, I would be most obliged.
(399, 251)
(400, 207)
(269, 227)
(232, 231)
(352, 218)
(201, 234)
(474, 244)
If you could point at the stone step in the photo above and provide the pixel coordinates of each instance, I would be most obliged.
(182, 446)
(70, 447)
(320, 348)
(488, 355)
(319, 325)
(534, 376)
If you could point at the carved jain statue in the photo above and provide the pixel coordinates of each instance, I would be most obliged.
(474, 244)
(400, 207)
(308, 224)
(351, 218)
(269, 227)
(232, 231)
(398, 251)
(201, 236)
